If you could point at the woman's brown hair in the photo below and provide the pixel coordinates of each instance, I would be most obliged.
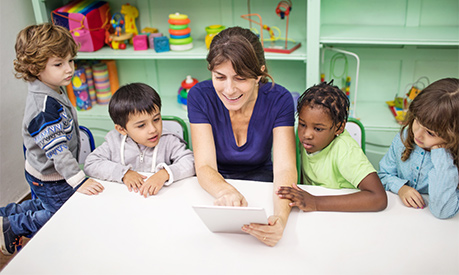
(437, 109)
(243, 49)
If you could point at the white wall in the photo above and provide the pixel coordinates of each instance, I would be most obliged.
(14, 16)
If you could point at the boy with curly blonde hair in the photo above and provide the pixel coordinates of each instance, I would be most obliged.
(45, 59)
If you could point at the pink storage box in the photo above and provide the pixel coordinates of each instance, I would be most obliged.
(88, 21)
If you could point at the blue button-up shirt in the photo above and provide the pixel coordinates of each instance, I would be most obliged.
(429, 172)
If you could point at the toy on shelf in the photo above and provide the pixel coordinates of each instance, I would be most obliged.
(140, 42)
(117, 39)
(185, 86)
(275, 44)
(102, 83)
(399, 106)
(151, 39)
(180, 33)
(212, 31)
(80, 90)
(161, 44)
(90, 82)
(343, 79)
(88, 22)
(130, 14)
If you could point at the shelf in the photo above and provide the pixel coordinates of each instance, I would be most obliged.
(199, 52)
(389, 35)
(376, 116)
(170, 107)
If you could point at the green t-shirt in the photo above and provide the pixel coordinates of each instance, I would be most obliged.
(342, 164)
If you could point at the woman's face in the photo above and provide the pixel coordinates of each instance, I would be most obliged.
(235, 91)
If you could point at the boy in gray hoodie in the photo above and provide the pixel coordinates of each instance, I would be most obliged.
(139, 144)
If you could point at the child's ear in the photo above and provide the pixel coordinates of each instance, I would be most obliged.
(340, 130)
(120, 129)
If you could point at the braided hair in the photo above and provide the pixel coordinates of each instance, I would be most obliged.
(332, 100)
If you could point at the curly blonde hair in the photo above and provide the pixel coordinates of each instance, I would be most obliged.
(35, 44)
(436, 108)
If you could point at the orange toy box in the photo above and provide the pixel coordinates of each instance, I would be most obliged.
(87, 20)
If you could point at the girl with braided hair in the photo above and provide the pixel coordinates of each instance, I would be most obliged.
(330, 157)
(424, 158)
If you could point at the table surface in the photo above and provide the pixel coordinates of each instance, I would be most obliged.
(118, 232)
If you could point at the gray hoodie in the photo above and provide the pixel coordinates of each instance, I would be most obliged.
(119, 153)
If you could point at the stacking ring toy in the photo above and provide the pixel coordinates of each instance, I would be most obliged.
(181, 47)
(178, 21)
(178, 27)
(180, 36)
(183, 41)
(180, 32)
(178, 16)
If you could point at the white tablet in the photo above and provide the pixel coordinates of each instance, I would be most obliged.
(230, 219)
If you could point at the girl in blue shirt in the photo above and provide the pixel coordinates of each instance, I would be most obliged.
(239, 122)
(423, 159)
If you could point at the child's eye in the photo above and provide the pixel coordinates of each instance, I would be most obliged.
(71, 60)
(302, 125)
(58, 64)
(318, 129)
(431, 133)
(240, 79)
(156, 120)
(140, 125)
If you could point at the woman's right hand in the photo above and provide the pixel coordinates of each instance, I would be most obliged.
(230, 198)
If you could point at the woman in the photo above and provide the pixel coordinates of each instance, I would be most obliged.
(237, 119)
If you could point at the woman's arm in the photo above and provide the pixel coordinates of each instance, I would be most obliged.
(285, 174)
(206, 168)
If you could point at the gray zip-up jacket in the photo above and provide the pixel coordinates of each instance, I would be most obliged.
(119, 153)
(51, 135)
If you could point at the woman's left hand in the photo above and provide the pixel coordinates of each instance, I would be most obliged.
(269, 234)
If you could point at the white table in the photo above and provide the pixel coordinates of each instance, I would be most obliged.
(118, 232)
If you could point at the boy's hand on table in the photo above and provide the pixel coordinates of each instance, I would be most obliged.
(91, 187)
(133, 180)
(298, 197)
(154, 183)
(411, 197)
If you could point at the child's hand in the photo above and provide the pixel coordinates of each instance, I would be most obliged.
(133, 180)
(441, 145)
(300, 198)
(91, 187)
(154, 183)
(410, 197)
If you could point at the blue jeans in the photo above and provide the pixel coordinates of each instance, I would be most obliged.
(29, 216)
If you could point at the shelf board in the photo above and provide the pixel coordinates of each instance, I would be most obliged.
(389, 35)
(198, 52)
(376, 116)
(170, 107)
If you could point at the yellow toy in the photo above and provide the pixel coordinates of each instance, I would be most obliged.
(130, 14)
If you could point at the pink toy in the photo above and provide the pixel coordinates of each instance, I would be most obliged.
(86, 21)
(140, 42)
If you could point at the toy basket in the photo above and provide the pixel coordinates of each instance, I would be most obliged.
(87, 21)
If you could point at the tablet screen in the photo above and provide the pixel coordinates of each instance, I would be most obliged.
(230, 219)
